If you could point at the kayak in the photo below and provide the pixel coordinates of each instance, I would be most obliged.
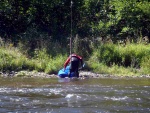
(65, 72)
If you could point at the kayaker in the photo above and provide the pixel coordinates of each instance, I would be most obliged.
(75, 61)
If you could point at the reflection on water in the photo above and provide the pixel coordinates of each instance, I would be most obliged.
(75, 96)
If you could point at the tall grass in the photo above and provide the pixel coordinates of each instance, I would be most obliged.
(48, 63)
(12, 59)
(145, 65)
(33, 40)
(132, 59)
(118, 59)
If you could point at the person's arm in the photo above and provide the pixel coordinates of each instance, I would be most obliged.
(66, 63)
(79, 57)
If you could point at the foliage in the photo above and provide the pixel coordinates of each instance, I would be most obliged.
(11, 59)
(33, 40)
(107, 58)
(132, 57)
(41, 31)
(114, 18)
(83, 47)
(55, 64)
(145, 64)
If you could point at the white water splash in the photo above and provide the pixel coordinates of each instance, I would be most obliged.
(116, 98)
(72, 96)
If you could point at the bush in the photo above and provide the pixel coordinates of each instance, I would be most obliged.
(54, 64)
(132, 56)
(145, 64)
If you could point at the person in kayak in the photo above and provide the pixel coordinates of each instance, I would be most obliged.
(75, 61)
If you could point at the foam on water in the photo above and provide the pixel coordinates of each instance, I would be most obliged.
(117, 98)
(73, 96)
(94, 95)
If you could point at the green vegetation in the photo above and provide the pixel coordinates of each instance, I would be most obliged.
(132, 59)
(112, 35)
(116, 19)
(11, 59)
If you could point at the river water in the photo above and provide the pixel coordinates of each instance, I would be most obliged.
(43, 95)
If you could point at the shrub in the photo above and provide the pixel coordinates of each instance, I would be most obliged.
(145, 64)
(132, 56)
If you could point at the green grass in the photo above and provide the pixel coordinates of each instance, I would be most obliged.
(113, 70)
(13, 59)
(132, 59)
(145, 65)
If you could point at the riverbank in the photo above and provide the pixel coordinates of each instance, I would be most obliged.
(108, 59)
(82, 75)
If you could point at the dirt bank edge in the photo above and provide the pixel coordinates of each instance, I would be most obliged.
(82, 74)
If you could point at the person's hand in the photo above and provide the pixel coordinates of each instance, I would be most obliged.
(83, 65)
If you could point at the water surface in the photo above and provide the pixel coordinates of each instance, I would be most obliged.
(77, 96)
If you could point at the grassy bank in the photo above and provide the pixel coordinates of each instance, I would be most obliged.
(132, 59)
(11, 59)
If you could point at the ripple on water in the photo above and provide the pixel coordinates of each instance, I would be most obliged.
(117, 98)
(76, 97)
(73, 96)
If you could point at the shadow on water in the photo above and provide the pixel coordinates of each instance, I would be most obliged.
(75, 96)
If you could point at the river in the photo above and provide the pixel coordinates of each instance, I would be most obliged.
(50, 95)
